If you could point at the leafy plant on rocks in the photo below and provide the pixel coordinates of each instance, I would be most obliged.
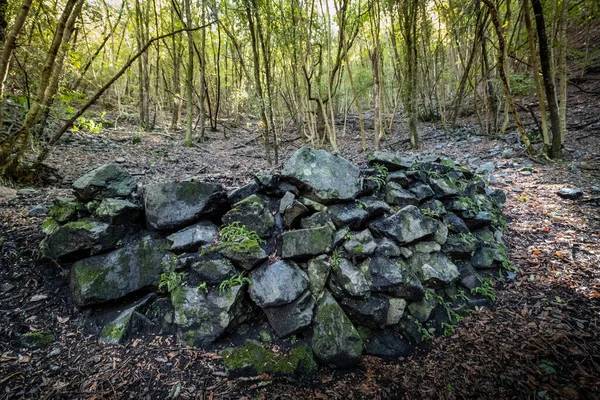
(235, 280)
(430, 213)
(336, 258)
(171, 280)
(485, 289)
(236, 237)
(425, 333)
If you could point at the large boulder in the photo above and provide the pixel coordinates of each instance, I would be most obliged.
(306, 242)
(79, 239)
(406, 226)
(335, 340)
(174, 205)
(328, 177)
(110, 276)
(105, 181)
(252, 212)
(192, 237)
(203, 317)
(277, 284)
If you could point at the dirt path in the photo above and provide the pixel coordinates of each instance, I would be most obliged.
(539, 341)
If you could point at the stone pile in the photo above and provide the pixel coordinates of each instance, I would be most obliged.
(338, 261)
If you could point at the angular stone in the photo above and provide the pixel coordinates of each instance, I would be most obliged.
(374, 206)
(290, 318)
(434, 270)
(350, 278)
(480, 219)
(348, 214)
(371, 312)
(361, 244)
(192, 237)
(277, 284)
(398, 196)
(306, 242)
(389, 249)
(455, 223)
(107, 180)
(203, 317)
(246, 259)
(116, 274)
(435, 207)
(426, 247)
(392, 161)
(443, 188)
(570, 193)
(398, 177)
(129, 323)
(252, 212)
(406, 226)
(213, 270)
(422, 192)
(291, 210)
(317, 220)
(387, 343)
(392, 276)
(79, 239)
(335, 340)
(486, 168)
(65, 209)
(174, 205)
(242, 192)
(318, 272)
(460, 245)
(441, 234)
(38, 210)
(313, 205)
(118, 212)
(395, 311)
(422, 309)
(328, 177)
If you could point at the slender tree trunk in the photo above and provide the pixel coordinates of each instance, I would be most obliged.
(502, 72)
(562, 68)
(189, 84)
(535, 66)
(10, 43)
(545, 61)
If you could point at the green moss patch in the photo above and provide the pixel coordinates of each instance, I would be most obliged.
(37, 340)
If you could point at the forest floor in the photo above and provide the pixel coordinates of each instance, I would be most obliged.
(539, 341)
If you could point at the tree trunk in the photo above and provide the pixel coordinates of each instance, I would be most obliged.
(561, 69)
(189, 84)
(545, 61)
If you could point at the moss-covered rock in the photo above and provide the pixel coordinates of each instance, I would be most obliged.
(130, 322)
(65, 209)
(118, 211)
(306, 242)
(113, 275)
(105, 181)
(253, 212)
(252, 359)
(335, 340)
(37, 340)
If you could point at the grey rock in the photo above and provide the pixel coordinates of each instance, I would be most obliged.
(252, 212)
(192, 237)
(318, 270)
(203, 317)
(116, 274)
(348, 214)
(246, 259)
(26, 192)
(174, 205)
(312, 205)
(392, 276)
(129, 323)
(374, 206)
(486, 168)
(118, 211)
(398, 177)
(107, 180)
(277, 284)
(306, 242)
(317, 220)
(434, 270)
(38, 210)
(392, 161)
(335, 340)
(455, 223)
(213, 270)
(328, 177)
(79, 239)
(570, 193)
(441, 234)
(350, 279)
(398, 196)
(406, 226)
(387, 343)
(388, 248)
(292, 212)
(422, 309)
(371, 312)
(426, 247)
(443, 188)
(66, 209)
(460, 245)
(508, 153)
(422, 192)
(290, 318)
(242, 192)
(361, 244)
(395, 311)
